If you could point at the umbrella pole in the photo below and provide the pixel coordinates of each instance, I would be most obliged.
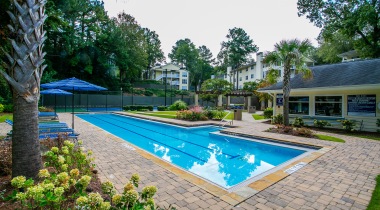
(55, 104)
(72, 109)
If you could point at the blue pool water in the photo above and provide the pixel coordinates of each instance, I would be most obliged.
(221, 159)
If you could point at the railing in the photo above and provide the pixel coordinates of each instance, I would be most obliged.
(231, 122)
(169, 76)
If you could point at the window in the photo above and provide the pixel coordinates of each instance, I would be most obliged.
(225, 76)
(184, 81)
(240, 71)
(240, 79)
(184, 87)
(299, 105)
(246, 77)
(252, 76)
(246, 70)
(184, 74)
(328, 105)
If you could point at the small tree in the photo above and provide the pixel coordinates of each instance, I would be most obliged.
(289, 53)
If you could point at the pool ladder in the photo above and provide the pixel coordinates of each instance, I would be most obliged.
(231, 122)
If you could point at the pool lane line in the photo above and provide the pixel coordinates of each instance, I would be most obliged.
(153, 140)
(231, 156)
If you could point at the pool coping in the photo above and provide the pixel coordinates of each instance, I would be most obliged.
(242, 193)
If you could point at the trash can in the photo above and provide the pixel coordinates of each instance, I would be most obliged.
(252, 109)
(238, 114)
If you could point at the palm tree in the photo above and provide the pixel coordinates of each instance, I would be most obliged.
(289, 53)
(23, 74)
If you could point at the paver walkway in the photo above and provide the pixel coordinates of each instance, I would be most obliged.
(343, 178)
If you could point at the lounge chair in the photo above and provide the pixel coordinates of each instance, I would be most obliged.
(47, 114)
(44, 125)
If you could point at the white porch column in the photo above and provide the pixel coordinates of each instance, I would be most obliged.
(249, 101)
(220, 100)
(196, 99)
(228, 100)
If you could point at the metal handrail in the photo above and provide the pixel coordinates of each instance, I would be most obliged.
(227, 121)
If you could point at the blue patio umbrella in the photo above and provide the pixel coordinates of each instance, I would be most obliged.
(55, 92)
(73, 84)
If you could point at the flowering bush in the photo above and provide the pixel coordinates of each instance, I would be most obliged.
(129, 199)
(194, 114)
(298, 122)
(63, 185)
(348, 125)
(62, 180)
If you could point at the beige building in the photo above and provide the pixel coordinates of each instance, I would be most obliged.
(175, 75)
(348, 90)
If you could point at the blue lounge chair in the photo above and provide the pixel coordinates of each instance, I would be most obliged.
(55, 135)
(44, 125)
(47, 114)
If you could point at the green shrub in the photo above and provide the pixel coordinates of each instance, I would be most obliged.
(268, 113)
(321, 123)
(8, 108)
(348, 125)
(218, 114)
(138, 108)
(298, 122)
(1, 108)
(45, 109)
(278, 119)
(178, 105)
(162, 108)
(148, 93)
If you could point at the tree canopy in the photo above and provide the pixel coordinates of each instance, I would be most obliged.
(236, 50)
(357, 20)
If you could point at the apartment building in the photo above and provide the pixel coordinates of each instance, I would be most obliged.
(173, 74)
(255, 71)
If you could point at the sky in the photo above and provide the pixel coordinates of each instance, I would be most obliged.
(206, 22)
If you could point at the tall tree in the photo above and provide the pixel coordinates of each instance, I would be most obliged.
(215, 87)
(358, 20)
(330, 48)
(203, 68)
(23, 73)
(185, 53)
(152, 49)
(289, 53)
(236, 50)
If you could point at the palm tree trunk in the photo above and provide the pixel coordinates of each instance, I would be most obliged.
(24, 72)
(26, 158)
(286, 92)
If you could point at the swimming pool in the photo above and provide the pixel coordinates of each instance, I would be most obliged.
(221, 159)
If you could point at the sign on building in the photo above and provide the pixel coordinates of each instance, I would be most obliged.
(361, 105)
(279, 100)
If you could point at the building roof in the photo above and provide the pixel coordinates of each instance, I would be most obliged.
(363, 72)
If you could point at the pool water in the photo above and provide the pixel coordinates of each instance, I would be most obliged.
(221, 159)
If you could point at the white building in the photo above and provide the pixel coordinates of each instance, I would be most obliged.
(254, 71)
(174, 75)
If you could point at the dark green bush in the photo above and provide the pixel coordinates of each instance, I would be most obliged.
(268, 113)
(178, 105)
(8, 108)
(162, 108)
(321, 123)
(148, 93)
(298, 122)
(278, 119)
(138, 108)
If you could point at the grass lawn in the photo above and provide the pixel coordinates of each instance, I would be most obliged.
(258, 117)
(162, 114)
(375, 200)
(230, 116)
(4, 116)
(329, 138)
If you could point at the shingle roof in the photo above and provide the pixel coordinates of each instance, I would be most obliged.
(364, 72)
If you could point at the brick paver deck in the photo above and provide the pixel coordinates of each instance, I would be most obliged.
(343, 178)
